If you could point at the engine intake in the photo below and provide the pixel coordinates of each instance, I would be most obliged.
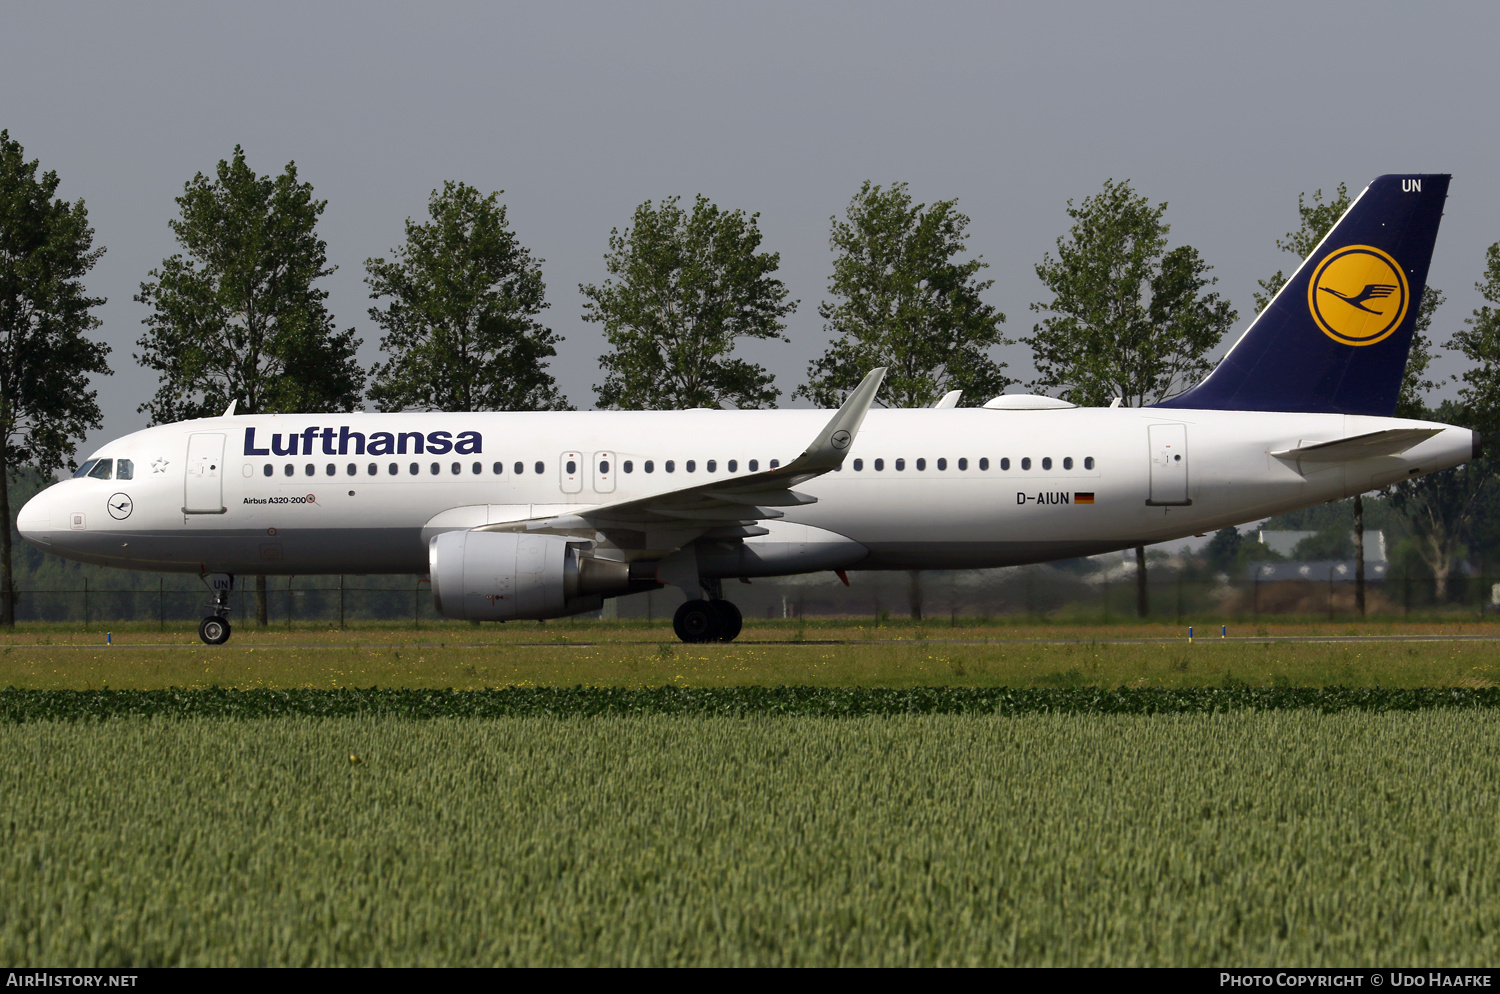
(505, 576)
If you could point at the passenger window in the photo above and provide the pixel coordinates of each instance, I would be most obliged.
(1067, 462)
(1026, 462)
(629, 466)
(859, 464)
(712, 466)
(83, 470)
(393, 469)
(102, 470)
(755, 465)
(775, 463)
(1004, 463)
(984, 463)
(900, 465)
(499, 468)
(478, 468)
(571, 468)
(413, 469)
(1046, 462)
(604, 466)
(332, 469)
(435, 469)
(374, 469)
(879, 465)
(734, 466)
(1088, 462)
(541, 467)
(124, 469)
(309, 470)
(942, 464)
(520, 468)
(962, 464)
(288, 470)
(670, 466)
(353, 469)
(921, 464)
(691, 466)
(268, 469)
(457, 468)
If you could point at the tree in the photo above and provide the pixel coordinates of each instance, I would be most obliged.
(686, 288)
(1223, 550)
(1443, 508)
(903, 299)
(1479, 341)
(238, 317)
(46, 249)
(1127, 318)
(1334, 542)
(460, 325)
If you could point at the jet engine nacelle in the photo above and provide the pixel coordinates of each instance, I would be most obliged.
(504, 576)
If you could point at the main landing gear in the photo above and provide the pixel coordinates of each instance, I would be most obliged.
(214, 630)
(712, 620)
(707, 621)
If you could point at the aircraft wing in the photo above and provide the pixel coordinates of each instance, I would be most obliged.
(725, 508)
(1387, 442)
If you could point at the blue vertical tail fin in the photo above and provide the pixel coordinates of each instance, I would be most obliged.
(1335, 338)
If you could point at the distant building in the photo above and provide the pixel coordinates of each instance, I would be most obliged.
(1283, 542)
(1317, 569)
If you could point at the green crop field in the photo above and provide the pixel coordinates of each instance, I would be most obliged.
(1250, 837)
(820, 793)
(827, 654)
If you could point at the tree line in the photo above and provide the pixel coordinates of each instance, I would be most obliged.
(237, 315)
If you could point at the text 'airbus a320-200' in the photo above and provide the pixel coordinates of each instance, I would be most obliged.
(541, 515)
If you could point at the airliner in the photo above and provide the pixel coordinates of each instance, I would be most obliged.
(535, 515)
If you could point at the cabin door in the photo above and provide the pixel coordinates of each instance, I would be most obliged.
(571, 468)
(204, 489)
(1169, 464)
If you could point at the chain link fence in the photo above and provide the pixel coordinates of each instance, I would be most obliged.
(1040, 592)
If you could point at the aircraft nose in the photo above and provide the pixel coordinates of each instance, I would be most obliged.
(35, 520)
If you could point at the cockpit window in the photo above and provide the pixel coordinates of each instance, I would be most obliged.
(124, 469)
(83, 470)
(102, 470)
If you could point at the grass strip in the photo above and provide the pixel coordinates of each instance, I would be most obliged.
(20, 706)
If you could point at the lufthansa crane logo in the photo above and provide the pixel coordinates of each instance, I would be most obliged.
(120, 506)
(1358, 295)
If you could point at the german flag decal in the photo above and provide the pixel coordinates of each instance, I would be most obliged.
(1083, 498)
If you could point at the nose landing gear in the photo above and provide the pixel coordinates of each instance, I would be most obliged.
(215, 630)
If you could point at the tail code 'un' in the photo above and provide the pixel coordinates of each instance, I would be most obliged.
(1335, 338)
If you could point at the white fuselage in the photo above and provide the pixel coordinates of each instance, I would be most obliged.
(959, 488)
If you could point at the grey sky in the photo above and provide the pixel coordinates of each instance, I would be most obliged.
(581, 111)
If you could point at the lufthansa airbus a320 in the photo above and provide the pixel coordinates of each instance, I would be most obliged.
(539, 515)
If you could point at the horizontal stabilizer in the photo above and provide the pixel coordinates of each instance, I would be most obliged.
(1389, 442)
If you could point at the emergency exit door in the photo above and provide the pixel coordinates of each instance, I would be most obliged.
(1169, 465)
(204, 487)
(604, 472)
